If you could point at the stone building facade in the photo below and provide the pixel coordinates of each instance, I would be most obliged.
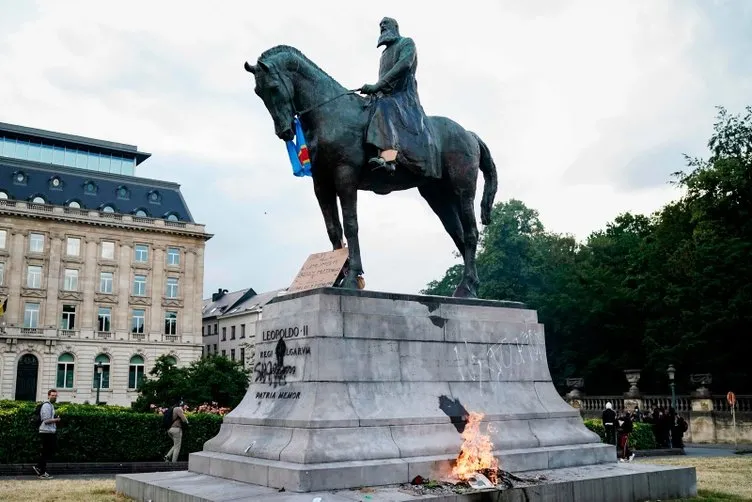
(102, 271)
(229, 323)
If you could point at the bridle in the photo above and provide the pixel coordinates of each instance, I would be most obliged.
(296, 113)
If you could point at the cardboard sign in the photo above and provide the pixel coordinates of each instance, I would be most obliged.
(320, 270)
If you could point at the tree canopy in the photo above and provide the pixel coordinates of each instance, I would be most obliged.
(212, 379)
(674, 287)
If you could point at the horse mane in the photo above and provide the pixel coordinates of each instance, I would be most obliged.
(287, 50)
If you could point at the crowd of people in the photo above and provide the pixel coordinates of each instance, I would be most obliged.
(668, 428)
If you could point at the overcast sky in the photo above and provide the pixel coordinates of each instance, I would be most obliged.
(587, 107)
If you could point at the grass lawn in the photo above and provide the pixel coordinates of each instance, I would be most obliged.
(719, 479)
(59, 490)
(726, 479)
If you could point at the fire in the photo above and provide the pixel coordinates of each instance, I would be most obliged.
(476, 454)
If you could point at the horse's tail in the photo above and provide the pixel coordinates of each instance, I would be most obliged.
(488, 168)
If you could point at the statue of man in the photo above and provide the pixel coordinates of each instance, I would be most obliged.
(398, 124)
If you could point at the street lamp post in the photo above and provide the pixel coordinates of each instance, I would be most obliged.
(671, 374)
(99, 379)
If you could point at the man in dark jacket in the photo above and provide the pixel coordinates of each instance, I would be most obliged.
(609, 424)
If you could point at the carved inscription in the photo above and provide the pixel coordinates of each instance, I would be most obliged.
(271, 335)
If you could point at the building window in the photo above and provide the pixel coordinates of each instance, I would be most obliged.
(56, 183)
(170, 361)
(171, 291)
(215, 348)
(103, 378)
(70, 281)
(108, 209)
(65, 367)
(3, 238)
(154, 197)
(232, 332)
(216, 330)
(232, 354)
(36, 243)
(208, 350)
(73, 246)
(90, 188)
(224, 353)
(74, 204)
(105, 282)
(139, 285)
(142, 213)
(138, 316)
(38, 200)
(3, 195)
(141, 253)
(171, 323)
(34, 276)
(172, 217)
(242, 331)
(135, 372)
(108, 250)
(31, 315)
(242, 356)
(173, 257)
(224, 334)
(19, 178)
(68, 320)
(123, 193)
(104, 316)
(2, 273)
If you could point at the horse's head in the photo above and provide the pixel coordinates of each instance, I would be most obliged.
(275, 88)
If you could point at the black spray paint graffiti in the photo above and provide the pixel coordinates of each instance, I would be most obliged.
(274, 373)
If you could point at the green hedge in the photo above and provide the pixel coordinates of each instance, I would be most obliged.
(641, 438)
(88, 433)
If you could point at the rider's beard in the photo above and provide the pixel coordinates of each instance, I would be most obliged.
(387, 38)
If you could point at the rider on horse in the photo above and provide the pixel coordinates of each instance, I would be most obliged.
(398, 128)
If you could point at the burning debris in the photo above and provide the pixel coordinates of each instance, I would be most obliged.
(476, 468)
(476, 454)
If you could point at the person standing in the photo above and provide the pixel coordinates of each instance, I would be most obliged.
(47, 434)
(609, 423)
(176, 431)
(625, 429)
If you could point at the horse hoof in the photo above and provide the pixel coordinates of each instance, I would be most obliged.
(464, 291)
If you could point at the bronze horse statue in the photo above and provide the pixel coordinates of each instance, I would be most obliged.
(334, 121)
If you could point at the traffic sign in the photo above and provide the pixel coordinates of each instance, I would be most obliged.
(731, 398)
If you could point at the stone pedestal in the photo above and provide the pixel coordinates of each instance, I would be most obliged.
(357, 388)
(360, 388)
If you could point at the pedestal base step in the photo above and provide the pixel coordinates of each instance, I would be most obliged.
(340, 475)
(596, 483)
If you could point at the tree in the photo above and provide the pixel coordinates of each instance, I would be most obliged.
(212, 379)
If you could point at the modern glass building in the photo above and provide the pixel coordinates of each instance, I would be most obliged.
(45, 167)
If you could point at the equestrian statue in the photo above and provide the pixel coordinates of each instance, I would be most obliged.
(381, 142)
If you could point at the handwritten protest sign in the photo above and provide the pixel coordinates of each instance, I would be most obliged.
(319, 270)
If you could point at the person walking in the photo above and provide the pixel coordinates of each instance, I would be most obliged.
(47, 434)
(177, 423)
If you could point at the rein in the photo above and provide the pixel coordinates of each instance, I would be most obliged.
(311, 108)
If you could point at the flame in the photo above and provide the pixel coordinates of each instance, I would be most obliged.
(476, 454)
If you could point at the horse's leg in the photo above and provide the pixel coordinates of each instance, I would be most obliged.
(347, 192)
(444, 203)
(326, 194)
(468, 287)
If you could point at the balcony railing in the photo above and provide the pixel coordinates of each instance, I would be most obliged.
(171, 338)
(104, 334)
(138, 336)
(67, 333)
(31, 331)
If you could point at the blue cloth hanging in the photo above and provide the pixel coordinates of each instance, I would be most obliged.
(297, 150)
